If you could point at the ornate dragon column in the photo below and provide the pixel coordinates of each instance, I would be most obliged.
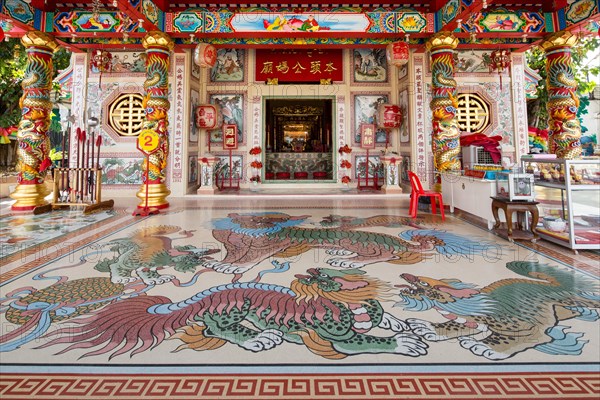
(158, 47)
(36, 107)
(446, 134)
(563, 124)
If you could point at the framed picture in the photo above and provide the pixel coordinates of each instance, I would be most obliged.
(121, 171)
(365, 111)
(375, 167)
(404, 126)
(230, 66)
(193, 169)
(370, 66)
(223, 168)
(195, 102)
(232, 108)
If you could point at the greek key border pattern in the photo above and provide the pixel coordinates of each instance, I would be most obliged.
(280, 386)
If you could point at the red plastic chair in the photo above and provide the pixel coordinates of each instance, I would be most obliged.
(417, 191)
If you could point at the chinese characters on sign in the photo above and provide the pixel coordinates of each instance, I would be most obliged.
(208, 116)
(177, 134)
(420, 114)
(390, 116)
(367, 136)
(230, 137)
(299, 65)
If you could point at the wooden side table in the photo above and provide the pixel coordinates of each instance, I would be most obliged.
(521, 208)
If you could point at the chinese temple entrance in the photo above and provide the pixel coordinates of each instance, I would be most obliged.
(299, 143)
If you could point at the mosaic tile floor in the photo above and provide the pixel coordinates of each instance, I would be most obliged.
(258, 298)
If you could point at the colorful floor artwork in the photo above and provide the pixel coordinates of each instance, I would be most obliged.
(296, 294)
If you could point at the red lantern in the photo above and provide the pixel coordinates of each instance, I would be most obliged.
(208, 116)
(101, 60)
(389, 116)
(499, 60)
(397, 53)
(205, 55)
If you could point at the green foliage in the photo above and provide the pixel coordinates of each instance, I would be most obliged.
(12, 70)
(586, 71)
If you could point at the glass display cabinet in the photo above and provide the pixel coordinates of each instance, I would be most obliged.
(569, 196)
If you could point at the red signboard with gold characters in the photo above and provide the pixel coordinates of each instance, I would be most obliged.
(299, 65)
(367, 136)
(230, 137)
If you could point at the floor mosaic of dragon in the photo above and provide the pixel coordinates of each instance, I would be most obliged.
(299, 286)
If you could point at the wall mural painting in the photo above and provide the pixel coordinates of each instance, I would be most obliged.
(194, 102)
(472, 61)
(365, 111)
(370, 65)
(405, 107)
(335, 309)
(230, 66)
(122, 62)
(404, 168)
(193, 170)
(121, 171)
(232, 108)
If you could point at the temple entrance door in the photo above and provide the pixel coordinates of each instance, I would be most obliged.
(299, 141)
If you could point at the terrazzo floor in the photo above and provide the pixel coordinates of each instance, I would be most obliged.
(258, 297)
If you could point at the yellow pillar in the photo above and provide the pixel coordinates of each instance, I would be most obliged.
(158, 47)
(36, 108)
(564, 129)
(446, 133)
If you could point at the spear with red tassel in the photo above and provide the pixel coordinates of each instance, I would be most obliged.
(80, 166)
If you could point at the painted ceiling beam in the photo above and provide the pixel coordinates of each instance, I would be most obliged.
(464, 15)
(24, 28)
(136, 15)
(575, 27)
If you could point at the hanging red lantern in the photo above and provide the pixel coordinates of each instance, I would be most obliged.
(205, 55)
(499, 60)
(208, 116)
(397, 53)
(389, 116)
(101, 60)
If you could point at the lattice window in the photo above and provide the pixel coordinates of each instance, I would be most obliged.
(126, 114)
(473, 113)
